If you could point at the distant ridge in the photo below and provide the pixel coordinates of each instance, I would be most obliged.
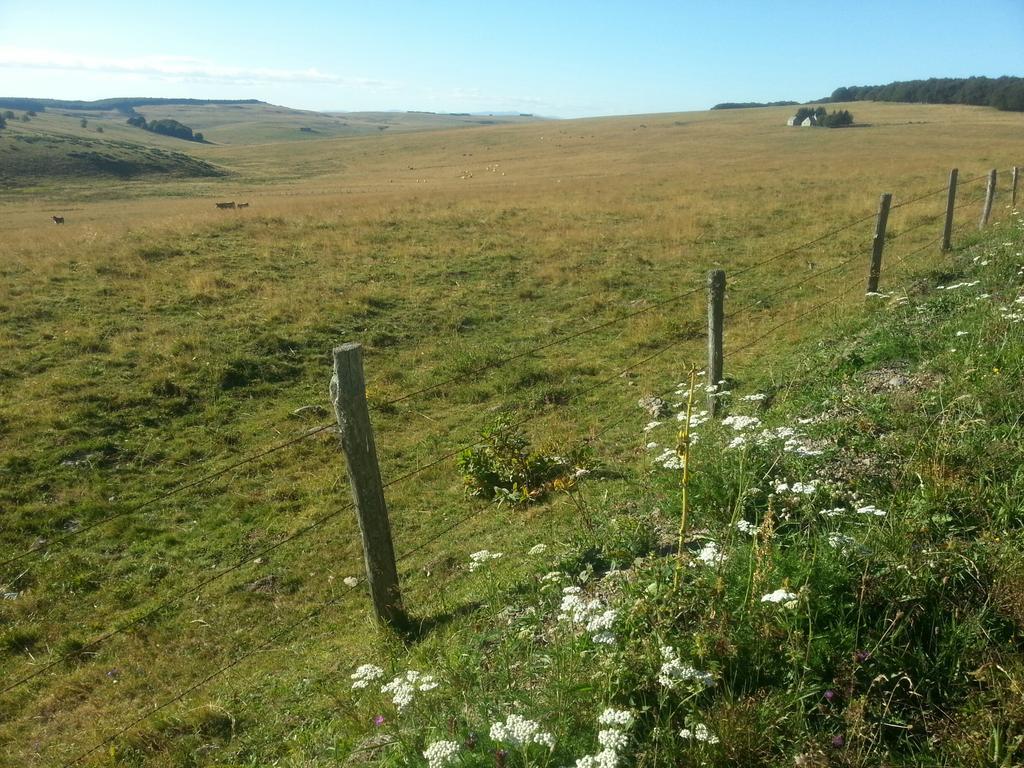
(751, 104)
(124, 104)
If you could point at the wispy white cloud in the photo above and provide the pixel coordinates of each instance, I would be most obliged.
(177, 68)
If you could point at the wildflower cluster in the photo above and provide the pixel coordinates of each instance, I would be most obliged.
(699, 732)
(673, 671)
(792, 441)
(476, 559)
(441, 753)
(366, 674)
(519, 732)
(745, 526)
(593, 615)
(709, 554)
(404, 687)
(612, 738)
(670, 457)
(784, 596)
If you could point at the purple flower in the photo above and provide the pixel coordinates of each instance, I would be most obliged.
(830, 695)
(838, 741)
(499, 758)
(379, 720)
(861, 656)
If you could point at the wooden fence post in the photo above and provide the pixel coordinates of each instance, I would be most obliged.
(1013, 192)
(348, 393)
(947, 229)
(716, 323)
(879, 241)
(990, 196)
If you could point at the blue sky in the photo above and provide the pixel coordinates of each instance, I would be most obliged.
(564, 59)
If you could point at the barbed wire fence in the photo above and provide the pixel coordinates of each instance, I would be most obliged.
(636, 362)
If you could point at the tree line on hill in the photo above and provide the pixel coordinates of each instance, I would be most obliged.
(1005, 93)
(166, 127)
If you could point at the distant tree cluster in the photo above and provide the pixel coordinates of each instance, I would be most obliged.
(751, 104)
(165, 127)
(1005, 93)
(822, 118)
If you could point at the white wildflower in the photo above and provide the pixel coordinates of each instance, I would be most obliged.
(651, 425)
(710, 555)
(696, 419)
(606, 758)
(741, 423)
(839, 541)
(870, 509)
(670, 459)
(479, 558)
(801, 448)
(612, 738)
(620, 717)
(700, 732)
(537, 549)
(593, 615)
(652, 446)
(404, 687)
(517, 731)
(441, 753)
(779, 596)
(737, 442)
(673, 671)
(552, 576)
(365, 674)
(805, 488)
(757, 397)
(745, 526)
(350, 581)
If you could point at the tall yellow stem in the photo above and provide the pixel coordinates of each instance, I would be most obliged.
(684, 454)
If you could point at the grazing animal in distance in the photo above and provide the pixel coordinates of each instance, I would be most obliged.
(243, 205)
(225, 205)
(57, 219)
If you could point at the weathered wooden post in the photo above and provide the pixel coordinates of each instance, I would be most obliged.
(990, 196)
(878, 243)
(348, 393)
(716, 323)
(947, 229)
(1013, 189)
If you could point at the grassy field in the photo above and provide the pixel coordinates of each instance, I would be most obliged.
(154, 338)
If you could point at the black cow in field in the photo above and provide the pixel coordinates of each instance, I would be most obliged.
(243, 205)
(57, 219)
(225, 205)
